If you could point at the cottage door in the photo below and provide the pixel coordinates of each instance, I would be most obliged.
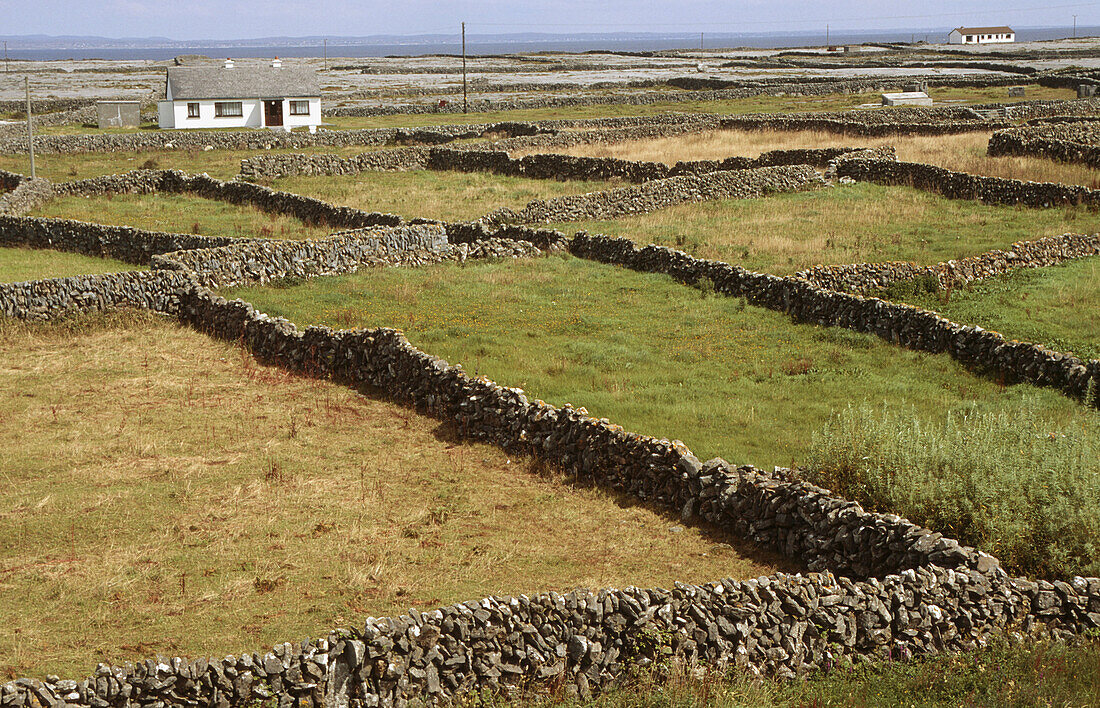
(273, 113)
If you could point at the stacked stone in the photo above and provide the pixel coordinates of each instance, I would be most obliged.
(658, 194)
(864, 277)
(540, 166)
(960, 185)
(119, 242)
(48, 299)
(263, 261)
(26, 194)
(1076, 143)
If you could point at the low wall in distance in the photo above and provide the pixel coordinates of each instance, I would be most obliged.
(1040, 253)
(960, 185)
(659, 194)
(1064, 142)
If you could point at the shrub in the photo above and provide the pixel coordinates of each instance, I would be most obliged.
(1013, 485)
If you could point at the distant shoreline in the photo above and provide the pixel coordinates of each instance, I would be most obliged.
(503, 45)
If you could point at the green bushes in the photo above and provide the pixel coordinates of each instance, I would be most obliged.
(1011, 484)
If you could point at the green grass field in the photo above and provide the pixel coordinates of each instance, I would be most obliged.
(854, 223)
(650, 354)
(20, 264)
(180, 213)
(1055, 306)
(450, 196)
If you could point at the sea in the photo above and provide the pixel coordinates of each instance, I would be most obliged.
(495, 45)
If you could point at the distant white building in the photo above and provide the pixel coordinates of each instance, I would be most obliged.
(230, 96)
(981, 35)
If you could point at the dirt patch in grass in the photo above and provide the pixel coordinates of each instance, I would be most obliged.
(164, 494)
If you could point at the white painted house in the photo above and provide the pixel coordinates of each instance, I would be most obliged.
(981, 35)
(230, 96)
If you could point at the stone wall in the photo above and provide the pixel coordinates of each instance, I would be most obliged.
(960, 185)
(1076, 142)
(841, 126)
(540, 166)
(262, 261)
(48, 299)
(864, 277)
(99, 240)
(659, 194)
(26, 194)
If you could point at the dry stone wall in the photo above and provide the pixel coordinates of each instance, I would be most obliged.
(49, 299)
(659, 194)
(1076, 142)
(961, 185)
(541, 166)
(864, 277)
(262, 261)
(25, 194)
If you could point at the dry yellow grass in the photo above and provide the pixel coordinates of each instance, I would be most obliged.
(965, 153)
(163, 493)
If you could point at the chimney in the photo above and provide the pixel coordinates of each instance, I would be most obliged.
(228, 63)
(276, 63)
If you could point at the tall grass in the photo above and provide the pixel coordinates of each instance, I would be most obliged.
(1020, 487)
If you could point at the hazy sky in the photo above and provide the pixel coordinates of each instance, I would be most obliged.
(228, 19)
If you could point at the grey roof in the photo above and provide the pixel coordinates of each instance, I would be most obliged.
(190, 82)
(985, 30)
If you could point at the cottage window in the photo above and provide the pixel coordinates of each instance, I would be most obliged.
(192, 110)
(228, 109)
(299, 108)
(969, 38)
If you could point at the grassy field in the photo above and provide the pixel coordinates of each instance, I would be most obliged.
(223, 164)
(843, 224)
(180, 213)
(177, 498)
(19, 264)
(450, 196)
(1000, 676)
(1054, 306)
(963, 153)
(650, 354)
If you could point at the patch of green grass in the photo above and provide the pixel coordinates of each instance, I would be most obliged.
(648, 353)
(20, 264)
(450, 196)
(1056, 306)
(1040, 673)
(180, 213)
(1023, 488)
(785, 233)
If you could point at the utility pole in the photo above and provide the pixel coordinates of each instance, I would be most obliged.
(465, 105)
(826, 36)
(326, 54)
(30, 130)
(700, 41)
(7, 63)
(1075, 26)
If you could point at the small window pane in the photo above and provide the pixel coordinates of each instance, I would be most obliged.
(228, 109)
(299, 108)
(192, 110)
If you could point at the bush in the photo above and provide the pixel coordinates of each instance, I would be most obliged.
(1013, 485)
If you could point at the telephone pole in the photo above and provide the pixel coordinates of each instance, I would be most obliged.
(465, 105)
(30, 130)
(826, 36)
(700, 41)
(7, 63)
(1075, 26)
(326, 54)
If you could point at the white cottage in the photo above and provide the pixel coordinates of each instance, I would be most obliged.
(229, 96)
(981, 35)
